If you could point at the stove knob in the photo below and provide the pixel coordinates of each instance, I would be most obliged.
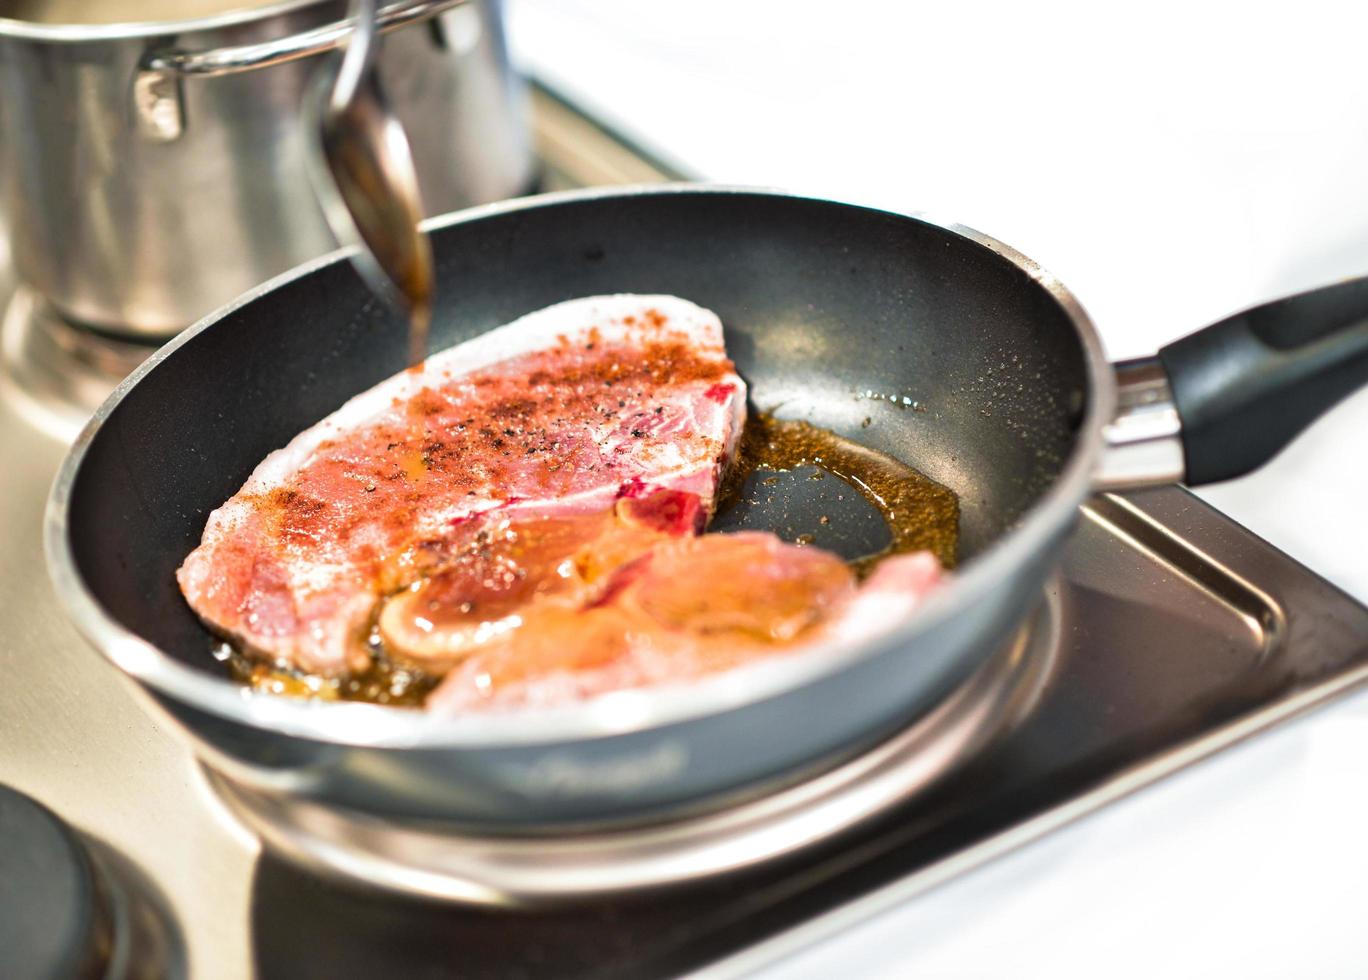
(72, 908)
(55, 918)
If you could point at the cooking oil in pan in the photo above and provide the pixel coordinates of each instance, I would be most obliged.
(383, 682)
(921, 514)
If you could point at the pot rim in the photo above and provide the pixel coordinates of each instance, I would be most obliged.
(27, 30)
(619, 712)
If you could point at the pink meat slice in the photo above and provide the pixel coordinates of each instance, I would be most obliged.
(687, 609)
(558, 413)
(482, 587)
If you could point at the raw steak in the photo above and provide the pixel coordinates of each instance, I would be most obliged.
(685, 608)
(485, 580)
(557, 414)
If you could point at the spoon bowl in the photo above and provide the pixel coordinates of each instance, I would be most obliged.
(366, 181)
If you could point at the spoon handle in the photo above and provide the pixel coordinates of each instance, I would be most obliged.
(358, 56)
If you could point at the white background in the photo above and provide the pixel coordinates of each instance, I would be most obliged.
(1171, 163)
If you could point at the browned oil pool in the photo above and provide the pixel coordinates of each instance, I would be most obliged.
(920, 514)
(384, 682)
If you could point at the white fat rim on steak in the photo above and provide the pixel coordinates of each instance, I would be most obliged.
(536, 331)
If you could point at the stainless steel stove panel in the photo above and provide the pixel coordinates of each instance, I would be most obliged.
(1181, 633)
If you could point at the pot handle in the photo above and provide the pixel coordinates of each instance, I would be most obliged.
(1245, 387)
(157, 85)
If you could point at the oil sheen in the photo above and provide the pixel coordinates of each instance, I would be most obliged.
(384, 682)
(921, 514)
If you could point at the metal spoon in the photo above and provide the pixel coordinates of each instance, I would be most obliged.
(367, 183)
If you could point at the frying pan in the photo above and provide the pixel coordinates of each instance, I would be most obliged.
(969, 362)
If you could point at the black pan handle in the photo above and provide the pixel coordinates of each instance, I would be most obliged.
(1245, 387)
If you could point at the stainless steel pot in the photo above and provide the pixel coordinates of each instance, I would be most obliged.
(153, 170)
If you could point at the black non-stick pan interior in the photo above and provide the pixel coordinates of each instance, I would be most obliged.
(963, 366)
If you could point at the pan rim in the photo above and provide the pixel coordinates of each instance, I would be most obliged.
(618, 713)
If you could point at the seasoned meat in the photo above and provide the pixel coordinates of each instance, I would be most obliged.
(522, 517)
(684, 609)
(484, 585)
(553, 417)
